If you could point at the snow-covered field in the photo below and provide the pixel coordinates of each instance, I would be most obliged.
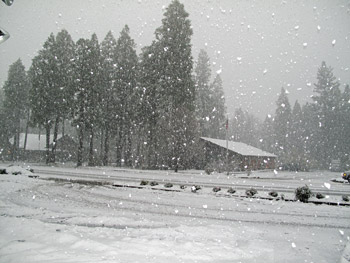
(59, 221)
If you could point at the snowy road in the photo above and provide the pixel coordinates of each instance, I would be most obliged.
(48, 221)
(284, 182)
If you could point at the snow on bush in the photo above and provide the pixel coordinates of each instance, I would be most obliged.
(273, 194)
(216, 189)
(251, 192)
(303, 193)
(320, 196)
(144, 182)
(345, 198)
(153, 183)
(231, 190)
(168, 185)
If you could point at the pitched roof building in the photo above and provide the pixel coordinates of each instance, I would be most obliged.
(241, 156)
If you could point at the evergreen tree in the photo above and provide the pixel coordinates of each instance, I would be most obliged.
(296, 151)
(267, 135)
(16, 106)
(108, 93)
(203, 93)
(217, 110)
(52, 86)
(64, 80)
(150, 97)
(327, 102)
(41, 99)
(124, 103)
(176, 84)
(344, 128)
(94, 96)
(282, 127)
(87, 94)
(244, 127)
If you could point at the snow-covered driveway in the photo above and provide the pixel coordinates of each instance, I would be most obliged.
(47, 221)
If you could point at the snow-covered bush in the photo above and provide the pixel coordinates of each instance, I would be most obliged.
(144, 182)
(153, 183)
(216, 189)
(345, 198)
(273, 194)
(208, 170)
(168, 185)
(3, 171)
(320, 196)
(231, 190)
(194, 188)
(251, 192)
(182, 186)
(303, 193)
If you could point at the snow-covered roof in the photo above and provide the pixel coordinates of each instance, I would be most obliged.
(240, 148)
(34, 141)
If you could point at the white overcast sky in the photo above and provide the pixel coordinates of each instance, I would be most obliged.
(257, 46)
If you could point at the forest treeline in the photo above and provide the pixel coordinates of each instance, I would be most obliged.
(149, 110)
(143, 109)
(303, 136)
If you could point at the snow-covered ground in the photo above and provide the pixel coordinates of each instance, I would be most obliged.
(58, 221)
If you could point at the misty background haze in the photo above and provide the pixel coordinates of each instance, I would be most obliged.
(257, 46)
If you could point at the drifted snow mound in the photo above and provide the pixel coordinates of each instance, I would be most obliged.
(15, 170)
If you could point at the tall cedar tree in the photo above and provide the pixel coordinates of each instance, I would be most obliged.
(327, 102)
(87, 94)
(203, 93)
(94, 96)
(345, 127)
(124, 101)
(218, 109)
(282, 126)
(44, 89)
(64, 90)
(176, 83)
(16, 90)
(150, 97)
(108, 92)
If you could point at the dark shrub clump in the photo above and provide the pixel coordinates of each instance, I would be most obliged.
(273, 194)
(143, 182)
(216, 189)
(251, 192)
(231, 190)
(182, 186)
(153, 183)
(168, 185)
(209, 170)
(303, 194)
(320, 196)
(345, 198)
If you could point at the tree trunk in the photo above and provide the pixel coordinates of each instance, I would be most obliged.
(47, 128)
(80, 147)
(91, 148)
(119, 149)
(106, 150)
(26, 133)
(63, 127)
(54, 142)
